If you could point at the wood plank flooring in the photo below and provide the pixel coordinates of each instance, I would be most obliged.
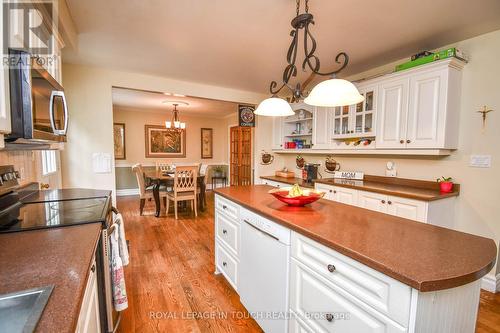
(170, 282)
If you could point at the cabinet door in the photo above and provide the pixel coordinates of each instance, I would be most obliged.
(345, 195)
(329, 195)
(427, 110)
(89, 320)
(407, 208)
(392, 112)
(372, 201)
(277, 133)
(321, 128)
(342, 122)
(363, 114)
(4, 89)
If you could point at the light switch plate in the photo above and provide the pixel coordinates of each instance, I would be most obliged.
(480, 161)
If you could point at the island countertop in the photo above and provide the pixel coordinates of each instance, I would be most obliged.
(423, 256)
(58, 256)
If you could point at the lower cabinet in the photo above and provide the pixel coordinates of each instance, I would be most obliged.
(438, 212)
(88, 320)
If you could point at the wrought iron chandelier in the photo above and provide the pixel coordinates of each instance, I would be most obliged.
(175, 123)
(332, 92)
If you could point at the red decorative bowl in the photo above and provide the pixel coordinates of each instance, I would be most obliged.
(282, 195)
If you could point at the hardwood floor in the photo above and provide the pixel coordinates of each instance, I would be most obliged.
(170, 282)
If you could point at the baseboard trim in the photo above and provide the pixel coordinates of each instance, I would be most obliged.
(127, 191)
(491, 283)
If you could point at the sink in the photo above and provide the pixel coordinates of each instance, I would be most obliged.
(20, 311)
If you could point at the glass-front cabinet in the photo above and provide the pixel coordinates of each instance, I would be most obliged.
(356, 120)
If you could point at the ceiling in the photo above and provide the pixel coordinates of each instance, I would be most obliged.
(147, 101)
(243, 44)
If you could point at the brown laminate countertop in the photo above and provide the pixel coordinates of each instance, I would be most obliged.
(292, 181)
(420, 255)
(400, 187)
(58, 256)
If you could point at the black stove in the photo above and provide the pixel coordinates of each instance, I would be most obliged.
(22, 210)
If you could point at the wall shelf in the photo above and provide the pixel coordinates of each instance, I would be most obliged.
(419, 152)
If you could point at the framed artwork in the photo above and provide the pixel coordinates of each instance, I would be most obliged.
(119, 140)
(207, 143)
(164, 142)
(246, 115)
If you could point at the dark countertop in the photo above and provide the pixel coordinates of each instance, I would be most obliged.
(59, 256)
(65, 194)
(291, 181)
(420, 255)
(406, 188)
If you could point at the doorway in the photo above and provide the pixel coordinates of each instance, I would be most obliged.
(240, 165)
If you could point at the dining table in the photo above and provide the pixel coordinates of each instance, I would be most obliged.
(157, 178)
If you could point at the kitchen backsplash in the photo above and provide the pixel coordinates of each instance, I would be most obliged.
(26, 162)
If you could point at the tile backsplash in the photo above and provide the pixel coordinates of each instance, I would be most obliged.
(24, 161)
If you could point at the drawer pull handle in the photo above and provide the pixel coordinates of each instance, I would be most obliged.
(335, 191)
(224, 231)
(408, 141)
(224, 263)
(331, 268)
(383, 201)
(331, 191)
(401, 141)
(389, 202)
(329, 317)
(92, 268)
(224, 207)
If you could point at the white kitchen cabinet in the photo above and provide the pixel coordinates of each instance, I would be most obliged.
(419, 108)
(89, 320)
(227, 239)
(372, 201)
(437, 212)
(392, 113)
(273, 183)
(4, 90)
(321, 138)
(278, 138)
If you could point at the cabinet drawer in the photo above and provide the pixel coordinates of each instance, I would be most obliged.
(273, 183)
(381, 292)
(326, 307)
(227, 264)
(297, 325)
(230, 209)
(227, 232)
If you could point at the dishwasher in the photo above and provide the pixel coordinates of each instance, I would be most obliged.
(264, 271)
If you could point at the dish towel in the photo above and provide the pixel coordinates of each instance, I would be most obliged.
(122, 242)
(119, 291)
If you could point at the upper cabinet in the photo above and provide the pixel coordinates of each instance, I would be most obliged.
(420, 110)
(409, 112)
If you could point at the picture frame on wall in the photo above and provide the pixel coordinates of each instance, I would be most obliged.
(246, 115)
(162, 142)
(207, 143)
(119, 141)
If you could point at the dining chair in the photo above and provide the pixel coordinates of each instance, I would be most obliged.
(185, 188)
(204, 170)
(145, 192)
(163, 166)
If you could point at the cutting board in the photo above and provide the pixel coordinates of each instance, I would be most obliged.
(285, 174)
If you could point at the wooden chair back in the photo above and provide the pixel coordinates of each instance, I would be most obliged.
(162, 166)
(185, 179)
(139, 175)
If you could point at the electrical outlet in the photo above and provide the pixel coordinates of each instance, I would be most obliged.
(390, 169)
(480, 161)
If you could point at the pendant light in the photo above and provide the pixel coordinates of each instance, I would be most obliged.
(175, 123)
(274, 107)
(330, 93)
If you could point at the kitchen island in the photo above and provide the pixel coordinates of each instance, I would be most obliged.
(386, 272)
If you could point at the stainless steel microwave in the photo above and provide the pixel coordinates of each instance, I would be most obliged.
(39, 112)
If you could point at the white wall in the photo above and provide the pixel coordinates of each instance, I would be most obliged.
(88, 92)
(477, 209)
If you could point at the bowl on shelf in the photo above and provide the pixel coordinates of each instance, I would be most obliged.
(307, 197)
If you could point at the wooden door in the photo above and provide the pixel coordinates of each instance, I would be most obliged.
(241, 156)
(392, 111)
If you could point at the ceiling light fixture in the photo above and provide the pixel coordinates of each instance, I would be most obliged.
(329, 93)
(177, 124)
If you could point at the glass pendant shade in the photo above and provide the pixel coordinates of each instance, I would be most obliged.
(334, 92)
(168, 124)
(274, 107)
(183, 125)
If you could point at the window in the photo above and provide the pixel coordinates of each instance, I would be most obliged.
(49, 162)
